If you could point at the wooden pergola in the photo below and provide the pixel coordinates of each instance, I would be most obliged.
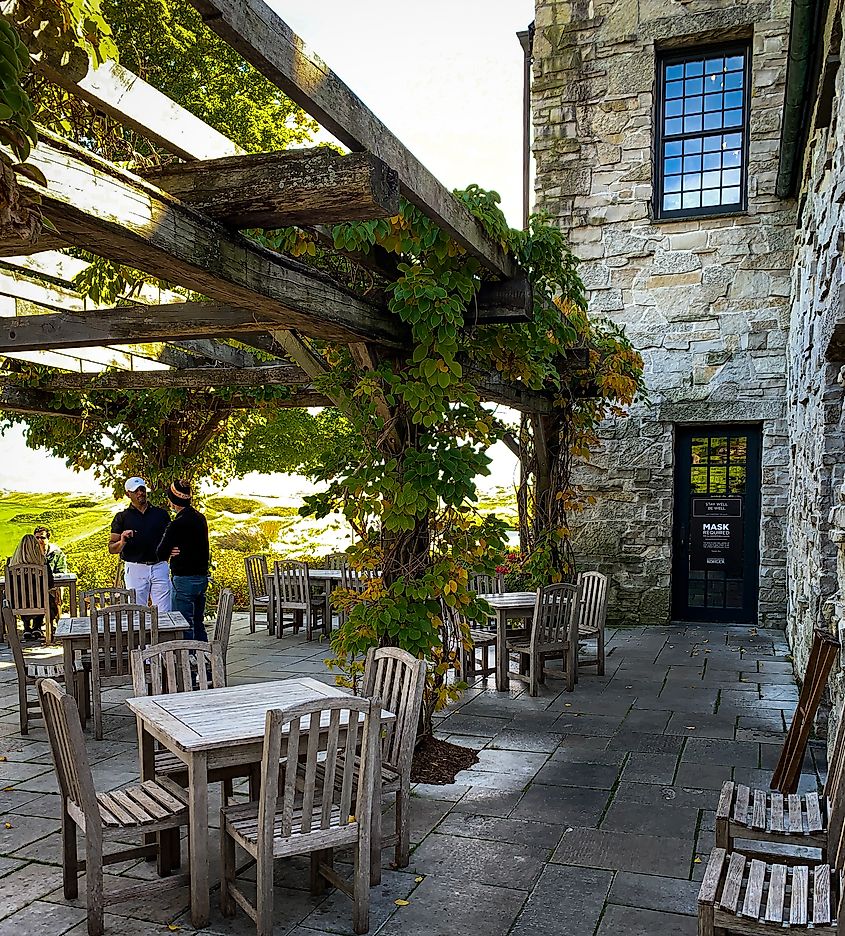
(182, 223)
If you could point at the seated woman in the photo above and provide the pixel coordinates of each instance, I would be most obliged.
(29, 552)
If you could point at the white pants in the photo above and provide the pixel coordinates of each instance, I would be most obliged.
(149, 580)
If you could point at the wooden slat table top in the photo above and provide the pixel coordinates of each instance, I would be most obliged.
(510, 601)
(230, 717)
(72, 628)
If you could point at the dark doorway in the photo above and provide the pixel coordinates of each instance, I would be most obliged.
(716, 526)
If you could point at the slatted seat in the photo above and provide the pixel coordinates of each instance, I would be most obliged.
(762, 815)
(154, 807)
(740, 894)
(50, 670)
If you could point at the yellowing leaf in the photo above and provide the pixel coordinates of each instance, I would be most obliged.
(697, 860)
(173, 927)
(2, 757)
(419, 879)
(402, 903)
(7, 825)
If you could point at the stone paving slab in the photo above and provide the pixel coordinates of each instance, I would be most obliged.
(589, 813)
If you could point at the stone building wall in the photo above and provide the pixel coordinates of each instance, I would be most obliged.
(815, 397)
(706, 301)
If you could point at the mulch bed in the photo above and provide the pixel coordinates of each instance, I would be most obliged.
(437, 761)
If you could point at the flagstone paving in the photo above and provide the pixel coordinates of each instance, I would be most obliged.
(588, 814)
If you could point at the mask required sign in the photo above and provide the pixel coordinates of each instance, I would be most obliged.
(716, 535)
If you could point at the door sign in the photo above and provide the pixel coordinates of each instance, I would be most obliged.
(716, 535)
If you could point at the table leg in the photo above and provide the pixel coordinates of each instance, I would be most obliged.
(198, 838)
(501, 651)
(72, 598)
(70, 679)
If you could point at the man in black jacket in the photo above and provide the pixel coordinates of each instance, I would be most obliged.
(185, 544)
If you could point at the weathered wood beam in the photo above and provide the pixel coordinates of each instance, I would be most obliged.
(115, 91)
(20, 400)
(137, 324)
(505, 303)
(15, 247)
(116, 215)
(273, 190)
(271, 46)
(194, 377)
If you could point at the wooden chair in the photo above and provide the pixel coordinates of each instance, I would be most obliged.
(105, 597)
(487, 584)
(397, 679)
(762, 816)
(330, 811)
(115, 632)
(154, 806)
(32, 669)
(28, 593)
(292, 592)
(482, 639)
(222, 628)
(592, 615)
(259, 595)
(750, 895)
(554, 635)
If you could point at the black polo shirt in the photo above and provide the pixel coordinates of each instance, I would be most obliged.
(149, 528)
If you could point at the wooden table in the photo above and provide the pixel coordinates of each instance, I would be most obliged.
(74, 633)
(60, 580)
(216, 728)
(508, 606)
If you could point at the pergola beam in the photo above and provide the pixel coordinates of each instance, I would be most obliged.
(273, 190)
(116, 215)
(191, 378)
(271, 46)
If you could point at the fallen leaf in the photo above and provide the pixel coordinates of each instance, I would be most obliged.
(402, 903)
(7, 825)
(419, 879)
(6, 789)
(2, 757)
(173, 927)
(690, 727)
(697, 860)
(567, 705)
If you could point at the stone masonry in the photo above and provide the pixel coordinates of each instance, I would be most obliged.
(705, 300)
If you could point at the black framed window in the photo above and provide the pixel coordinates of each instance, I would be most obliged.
(702, 132)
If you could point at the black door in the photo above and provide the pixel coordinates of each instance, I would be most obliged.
(717, 523)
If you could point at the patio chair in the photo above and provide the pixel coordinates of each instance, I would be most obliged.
(28, 594)
(554, 635)
(592, 614)
(329, 810)
(292, 593)
(487, 584)
(761, 817)
(31, 668)
(115, 632)
(154, 806)
(749, 895)
(105, 597)
(482, 639)
(259, 594)
(184, 666)
(222, 628)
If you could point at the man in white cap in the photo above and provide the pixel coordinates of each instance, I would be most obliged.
(135, 534)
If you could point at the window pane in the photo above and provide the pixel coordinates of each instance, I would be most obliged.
(730, 196)
(692, 146)
(736, 479)
(675, 108)
(693, 124)
(673, 72)
(693, 69)
(692, 180)
(711, 180)
(674, 89)
(712, 143)
(676, 125)
(671, 166)
(734, 80)
(718, 450)
(739, 449)
(693, 164)
(713, 121)
(730, 177)
(693, 105)
(671, 202)
(710, 198)
(699, 450)
(713, 102)
(735, 62)
(733, 99)
(732, 141)
(673, 149)
(718, 481)
(691, 200)
(733, 118)
(714, 65)
(698, 480)
(731, 158)
(694, 86)
(712, 161)
(713, 83)
(673, 183)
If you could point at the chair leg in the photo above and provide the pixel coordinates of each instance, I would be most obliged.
(94, 882)
(600, 652)
(228, 792)
(317, 881)
(227, 870)
(309, 633)
(70, 860)
(264, 897)
(22, 705)
(402, 854)
(97, 701)
(361, 893)
(251, 617)
(165, 853)
(570, 657)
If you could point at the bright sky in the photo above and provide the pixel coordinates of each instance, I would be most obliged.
(446, 77)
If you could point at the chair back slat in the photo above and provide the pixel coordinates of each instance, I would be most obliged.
(593, 605)
(329, 797)
(398, 679)
(10, 628)
(27, 589)
(256, 570)
(353, 579)
(555, 614)
(293, 586)
(487, 584)
(177, 666)
(118, 630)
(334, 561)
(223, 619)
(106, 597)
(67, 744)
